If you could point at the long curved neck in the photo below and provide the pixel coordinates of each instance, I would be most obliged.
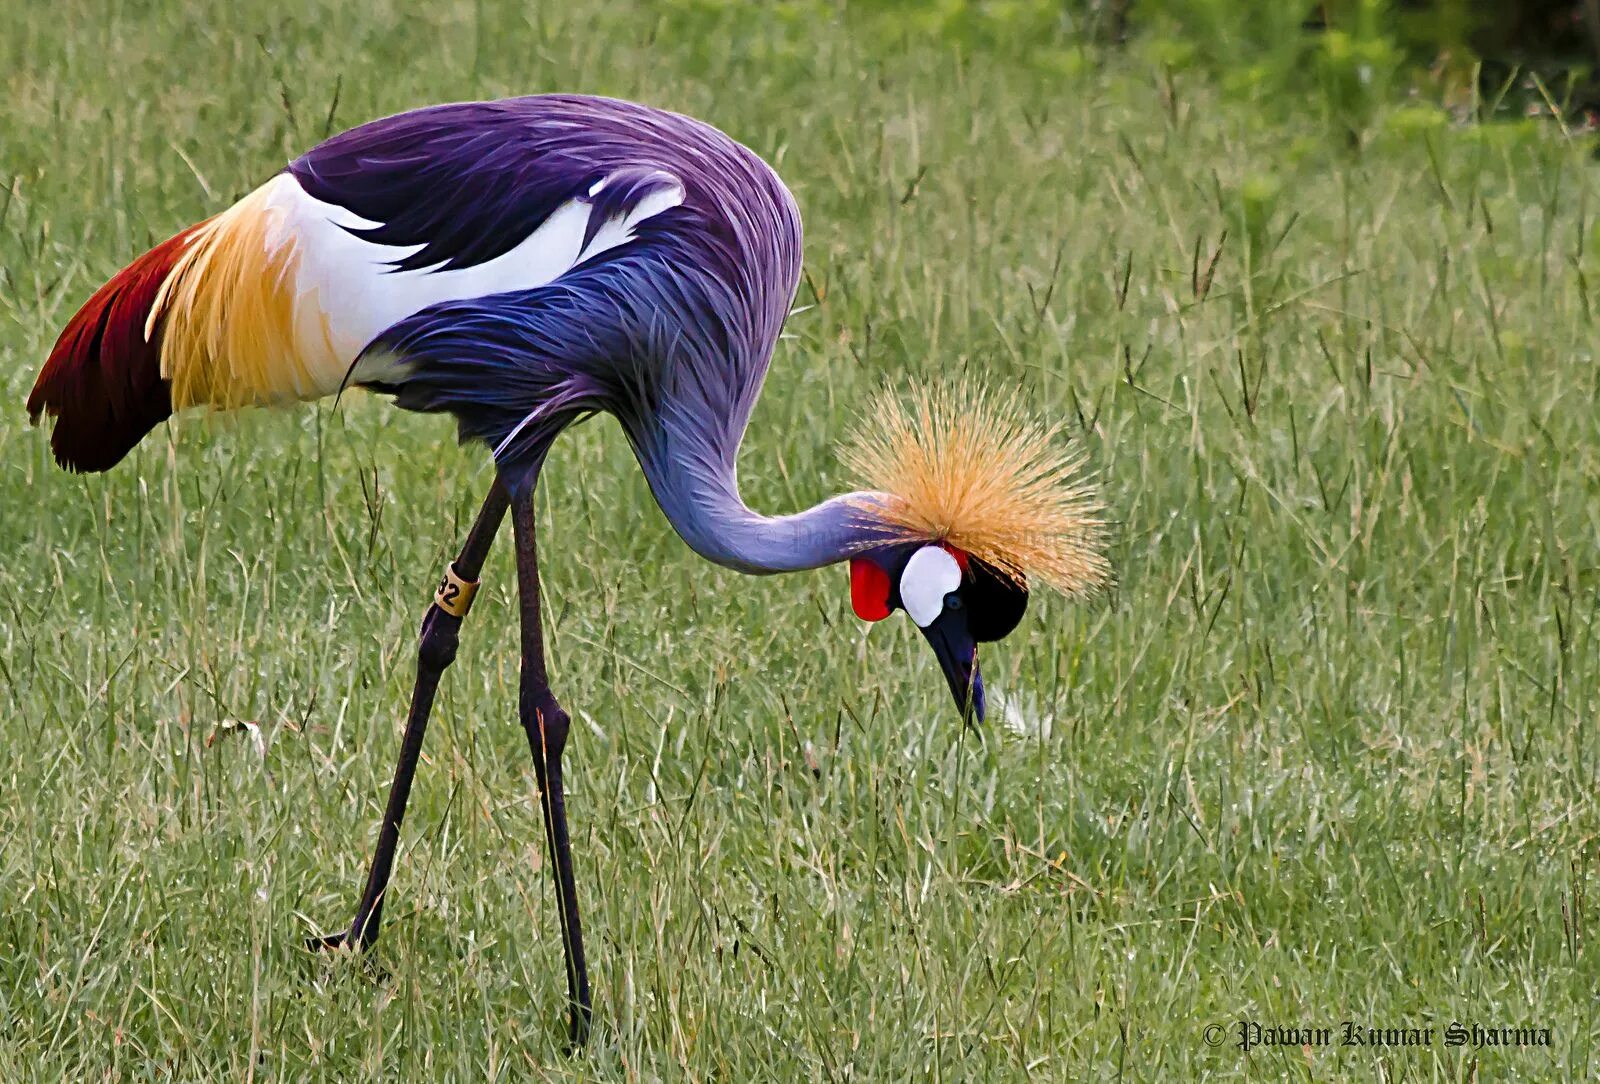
(701, 500)
(728, 533)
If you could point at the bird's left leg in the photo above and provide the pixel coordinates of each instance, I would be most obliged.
(436, 650)
(547, 724)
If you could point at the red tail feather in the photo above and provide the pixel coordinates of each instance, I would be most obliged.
(103, 382)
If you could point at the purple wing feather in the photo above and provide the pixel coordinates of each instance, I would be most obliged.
(467, 182)
(671, 332)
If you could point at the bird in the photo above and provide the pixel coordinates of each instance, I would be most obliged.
(525, 264)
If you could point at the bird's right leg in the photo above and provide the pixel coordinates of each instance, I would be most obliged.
(547, 724)
(436, 650)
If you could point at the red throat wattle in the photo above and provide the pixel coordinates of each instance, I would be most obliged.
(869, 590)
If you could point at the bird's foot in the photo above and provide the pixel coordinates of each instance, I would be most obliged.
(343, 941)
(577, 1035)
(331, 943)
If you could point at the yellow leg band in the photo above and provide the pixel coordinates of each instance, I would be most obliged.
(454, 596)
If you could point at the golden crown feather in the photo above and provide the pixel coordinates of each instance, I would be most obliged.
(975, 470)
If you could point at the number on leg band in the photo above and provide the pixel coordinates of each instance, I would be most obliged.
(454, 596)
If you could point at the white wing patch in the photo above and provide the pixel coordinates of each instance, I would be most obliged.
(347, 290)
(929, 576)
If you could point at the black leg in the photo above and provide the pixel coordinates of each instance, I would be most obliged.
(547, 725)
(435, 651)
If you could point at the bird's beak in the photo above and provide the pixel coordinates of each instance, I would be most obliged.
(957, 652)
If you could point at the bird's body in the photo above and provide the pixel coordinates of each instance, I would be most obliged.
(521, 265)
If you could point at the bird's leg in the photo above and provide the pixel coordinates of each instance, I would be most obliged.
(436, 649)
(546, 725)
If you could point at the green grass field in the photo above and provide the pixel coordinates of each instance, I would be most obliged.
(1328, 751)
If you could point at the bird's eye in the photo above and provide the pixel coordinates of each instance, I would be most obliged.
(952, 601)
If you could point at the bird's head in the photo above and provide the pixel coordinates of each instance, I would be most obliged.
(972, 501)
(958, 602)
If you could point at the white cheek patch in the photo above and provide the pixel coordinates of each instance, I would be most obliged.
(930, 575)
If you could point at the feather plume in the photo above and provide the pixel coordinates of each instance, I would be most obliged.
(972, 469)
(102, 382)
(228, 314)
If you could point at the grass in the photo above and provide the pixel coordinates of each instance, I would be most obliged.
(1328, 752)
